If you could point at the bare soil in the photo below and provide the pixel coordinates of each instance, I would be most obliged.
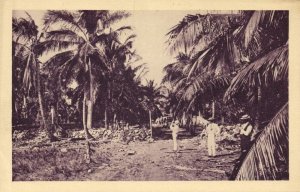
(112, 161)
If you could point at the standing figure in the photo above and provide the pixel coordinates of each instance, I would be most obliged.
(175, 129)
(245, 133)
(212, 129)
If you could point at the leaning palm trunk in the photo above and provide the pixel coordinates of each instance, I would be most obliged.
(261, 162)
(40, 100)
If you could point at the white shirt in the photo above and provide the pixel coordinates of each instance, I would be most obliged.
(246, 129)
(174, 127)
(212, 129)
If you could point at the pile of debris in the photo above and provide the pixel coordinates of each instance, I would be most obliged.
(131, 134)
(229, 136)
(122, 135)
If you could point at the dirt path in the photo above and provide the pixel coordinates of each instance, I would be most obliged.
(137, 161)
(155, 161)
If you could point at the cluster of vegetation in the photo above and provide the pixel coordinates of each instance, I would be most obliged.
(92, 77)
(226, 65)
(235, 64)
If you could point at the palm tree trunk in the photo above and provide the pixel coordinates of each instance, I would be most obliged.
(52, 111)
(40, 100)
(150, 123)
(109, 103)
(42, 109)
(87, 134)
(90, 102)
(84, 114)
(24, 106)
(257, 115)
(114, 122)
(105, 117)
(213, 109)
(89, 114)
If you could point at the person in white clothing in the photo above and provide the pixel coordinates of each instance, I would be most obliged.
(212, 129)
(175, 129)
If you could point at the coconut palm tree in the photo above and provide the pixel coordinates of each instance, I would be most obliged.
(26, 44)
(77, 36)
(270, 72)
(264, 86)
(213, 57)
(257, 45)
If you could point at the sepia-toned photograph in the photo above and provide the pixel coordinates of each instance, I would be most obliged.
(150, 95)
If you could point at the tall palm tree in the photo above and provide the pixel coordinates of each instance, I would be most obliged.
(26, 42)
(77, 36)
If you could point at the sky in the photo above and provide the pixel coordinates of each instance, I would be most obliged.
(151, 28)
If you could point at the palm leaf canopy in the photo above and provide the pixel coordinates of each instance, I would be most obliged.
(25, 40)
(220, 57)
(26, 29)
(176, 70)
(196, 29)
(271, 68)
(206, 85)
(269, 152)
(262, 31)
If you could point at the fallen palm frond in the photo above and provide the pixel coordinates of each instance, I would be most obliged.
(261, 162)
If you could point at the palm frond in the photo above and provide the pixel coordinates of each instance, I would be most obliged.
(115, 17)
(257, 23)
(67, 19)
(261, 162)
(123, 28)
(64, 35)
(197, 30)
(273, 67)
(185, 31)
(54, 63)
(206, 85)
(54, 45)
(129, 39)
(24, 29)
(220, 57)
(252, 26)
